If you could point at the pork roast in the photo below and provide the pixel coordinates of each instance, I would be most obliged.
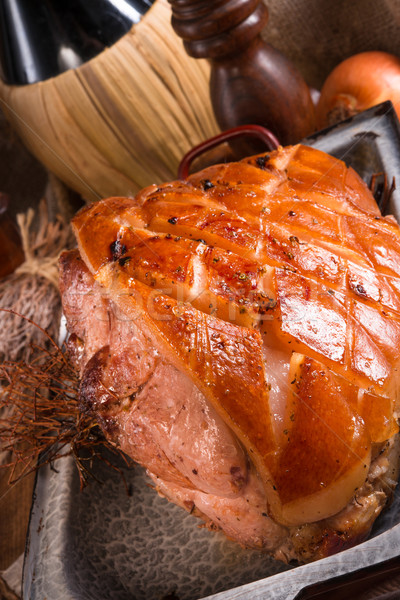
(238, 335)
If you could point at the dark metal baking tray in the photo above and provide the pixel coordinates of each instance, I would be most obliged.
(104, 544)
(370, 143)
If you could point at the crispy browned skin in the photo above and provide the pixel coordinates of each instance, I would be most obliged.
(281, 255)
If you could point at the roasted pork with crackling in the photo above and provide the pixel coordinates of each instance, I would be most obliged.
(238, 335)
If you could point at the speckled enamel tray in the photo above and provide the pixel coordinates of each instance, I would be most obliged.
(105, 544)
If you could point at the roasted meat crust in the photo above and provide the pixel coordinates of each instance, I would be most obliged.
(251, 312)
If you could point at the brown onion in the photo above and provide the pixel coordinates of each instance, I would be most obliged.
(357, 83)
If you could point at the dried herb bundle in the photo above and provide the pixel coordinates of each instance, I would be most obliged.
(40, 418)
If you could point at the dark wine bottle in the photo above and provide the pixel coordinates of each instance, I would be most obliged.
(41, 39)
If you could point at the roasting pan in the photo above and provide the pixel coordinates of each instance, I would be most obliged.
(117, 542)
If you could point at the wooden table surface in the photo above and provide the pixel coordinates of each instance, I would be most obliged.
(15, 504)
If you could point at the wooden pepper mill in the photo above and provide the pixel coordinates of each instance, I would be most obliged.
(251, 82)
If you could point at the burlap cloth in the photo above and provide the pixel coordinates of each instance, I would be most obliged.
(316, 35)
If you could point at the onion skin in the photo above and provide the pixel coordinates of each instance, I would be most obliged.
(357, 83)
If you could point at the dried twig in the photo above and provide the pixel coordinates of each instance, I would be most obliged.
(42, 420)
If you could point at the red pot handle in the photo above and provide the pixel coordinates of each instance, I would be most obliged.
(226, 136)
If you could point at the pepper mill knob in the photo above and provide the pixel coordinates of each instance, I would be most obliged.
(251, 82)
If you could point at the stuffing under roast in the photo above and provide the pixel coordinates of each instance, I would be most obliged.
(238, 335)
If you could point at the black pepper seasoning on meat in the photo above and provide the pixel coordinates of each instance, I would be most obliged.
(207, 184)
(261, 161)
(360, 290)
(117, 250)
(124, 261)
